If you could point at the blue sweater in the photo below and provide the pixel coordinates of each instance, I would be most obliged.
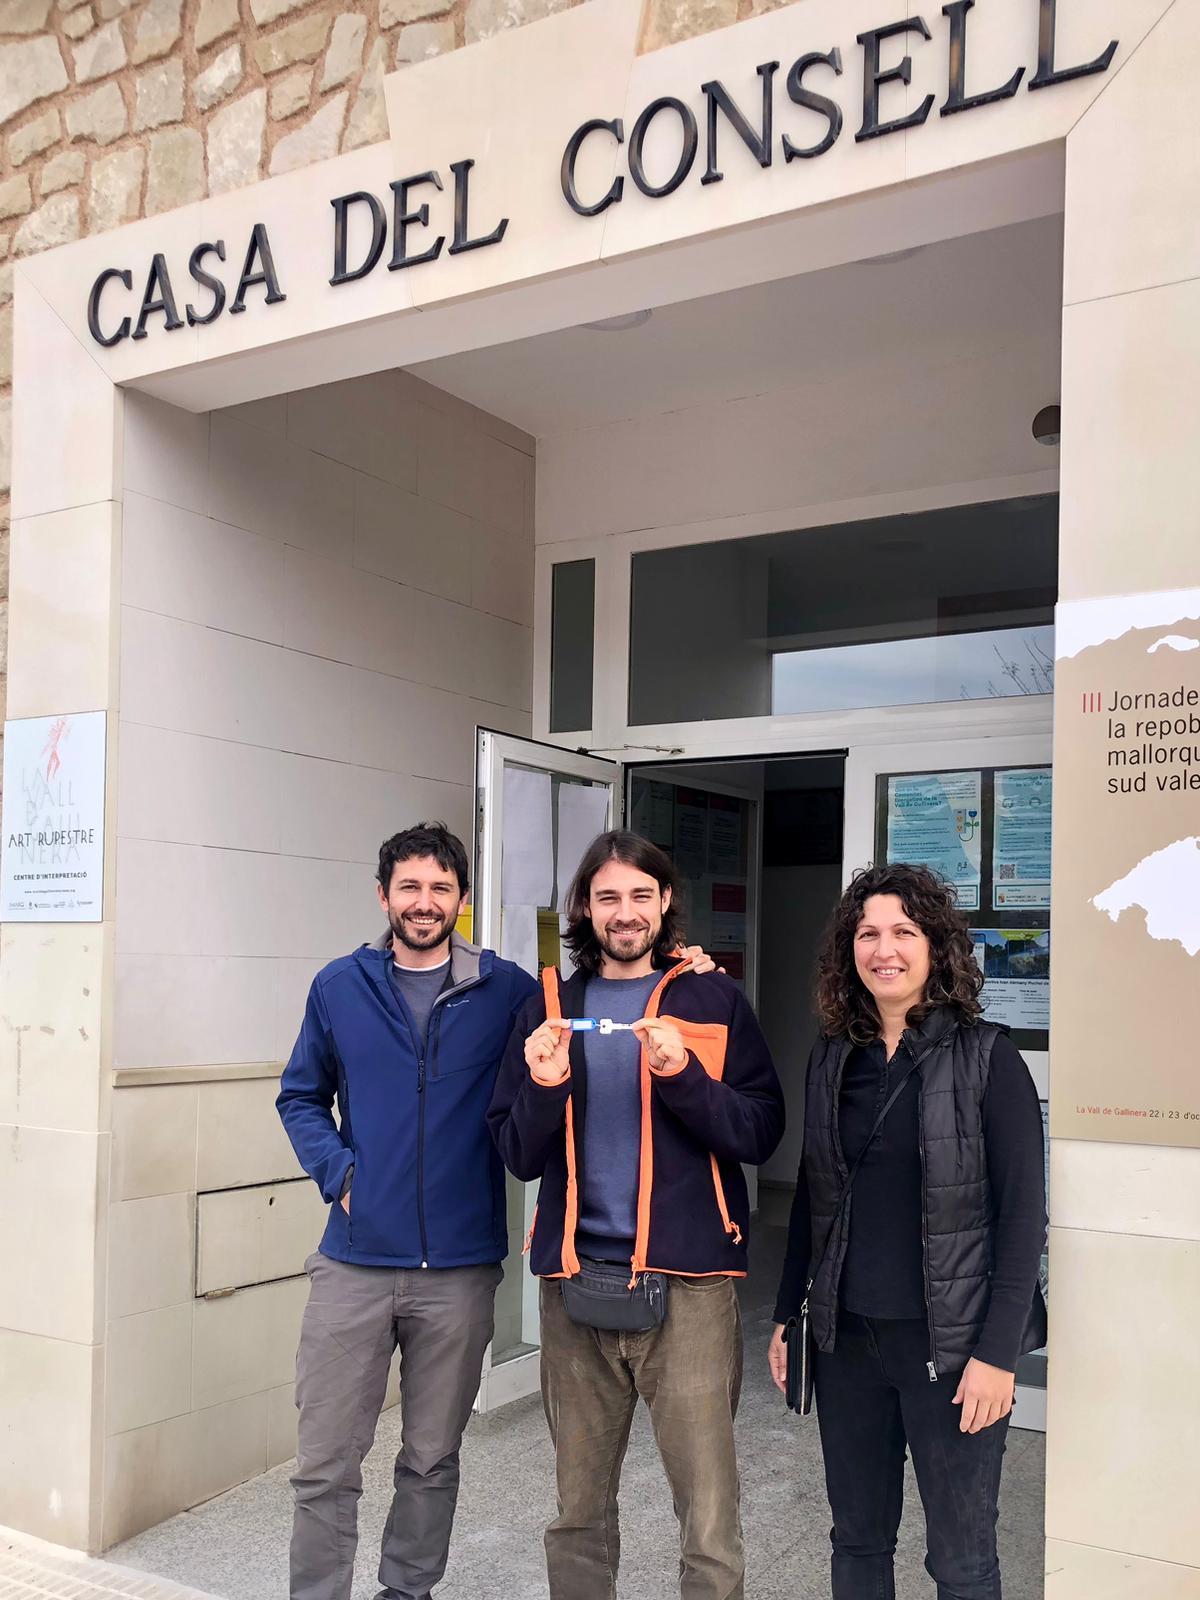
(613, 1137)
(428, 1187)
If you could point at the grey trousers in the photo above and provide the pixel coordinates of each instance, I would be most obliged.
(689, 1373)
(354, 1320)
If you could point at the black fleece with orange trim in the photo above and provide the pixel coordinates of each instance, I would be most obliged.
(699, 1125)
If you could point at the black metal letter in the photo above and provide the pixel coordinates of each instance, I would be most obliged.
(957, 99)
(691, 140)
(571, 155)
(207, 281)
(341, 206)
(260, 250)
(1047, 72)
(874, 79)
(462, 224)
(811, 101)
(760, 145)
(159, 296)
(403, 219)
(107, 339)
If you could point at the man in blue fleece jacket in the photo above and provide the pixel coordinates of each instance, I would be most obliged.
(405, 1037)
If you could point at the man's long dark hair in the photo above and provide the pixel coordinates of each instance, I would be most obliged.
(844, 1005)
(619, 844)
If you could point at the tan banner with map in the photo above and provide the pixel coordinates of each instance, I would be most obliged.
(1126, 974)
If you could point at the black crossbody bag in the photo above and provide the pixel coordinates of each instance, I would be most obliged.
(797, 1333)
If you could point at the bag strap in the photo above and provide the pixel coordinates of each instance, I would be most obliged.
(897, 1089)
(570, 1261)
(550, 991)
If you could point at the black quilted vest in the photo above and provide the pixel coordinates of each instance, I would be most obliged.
(957, 1211)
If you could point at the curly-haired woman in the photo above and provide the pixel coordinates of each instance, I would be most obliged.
(925, 1282)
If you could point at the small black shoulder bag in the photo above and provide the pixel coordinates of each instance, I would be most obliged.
(797, 1333)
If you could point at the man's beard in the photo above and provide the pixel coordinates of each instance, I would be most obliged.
(623, 948)
(421, 938)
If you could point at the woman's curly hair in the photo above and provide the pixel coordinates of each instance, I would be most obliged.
(844, 1005)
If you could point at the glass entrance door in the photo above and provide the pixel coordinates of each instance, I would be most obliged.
(537, 809)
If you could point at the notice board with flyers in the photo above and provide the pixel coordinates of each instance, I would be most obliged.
(986, 830)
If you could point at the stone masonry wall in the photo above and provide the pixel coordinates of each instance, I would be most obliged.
(111, 110)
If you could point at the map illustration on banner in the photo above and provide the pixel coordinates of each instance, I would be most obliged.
(935, 819)
(1021, 839)
(1127, 885)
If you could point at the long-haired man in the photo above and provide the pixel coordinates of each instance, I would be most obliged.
(637, 1123)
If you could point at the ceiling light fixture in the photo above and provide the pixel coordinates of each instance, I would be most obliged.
(1047, 425)
(620, 324)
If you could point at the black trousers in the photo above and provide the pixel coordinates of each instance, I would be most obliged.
(874, 1398)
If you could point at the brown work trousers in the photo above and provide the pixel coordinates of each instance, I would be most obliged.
(689, 1373)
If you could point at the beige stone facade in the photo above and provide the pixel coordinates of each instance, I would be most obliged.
(280, 560)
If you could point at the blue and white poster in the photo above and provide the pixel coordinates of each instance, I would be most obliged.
(1021, 839)
(935, 820)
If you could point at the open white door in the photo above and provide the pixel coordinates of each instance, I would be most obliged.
(537, 808)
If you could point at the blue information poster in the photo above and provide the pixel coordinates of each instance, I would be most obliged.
(1021, 839)
(935, 820)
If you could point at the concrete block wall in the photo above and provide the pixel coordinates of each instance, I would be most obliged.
(321, 595)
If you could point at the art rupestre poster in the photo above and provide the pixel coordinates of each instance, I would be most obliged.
(53, 819)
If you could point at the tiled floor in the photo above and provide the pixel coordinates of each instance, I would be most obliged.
(236, 1546)
(33, 1571)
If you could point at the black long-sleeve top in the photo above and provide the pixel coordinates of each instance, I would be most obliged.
(883, 1274)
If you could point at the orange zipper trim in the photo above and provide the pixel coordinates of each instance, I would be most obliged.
(730, 1226)
(678, 1272)
(570, 1261)
(641, 1239)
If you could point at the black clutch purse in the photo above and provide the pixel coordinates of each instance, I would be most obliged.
(798, 1341)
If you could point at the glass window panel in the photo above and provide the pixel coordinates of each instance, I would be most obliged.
(572, 633)
(940, 605)
(962, 666)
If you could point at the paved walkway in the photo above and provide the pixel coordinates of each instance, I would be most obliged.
(30, 1570)
(236, 1546)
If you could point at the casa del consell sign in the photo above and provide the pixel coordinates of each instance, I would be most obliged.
(795, 116)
